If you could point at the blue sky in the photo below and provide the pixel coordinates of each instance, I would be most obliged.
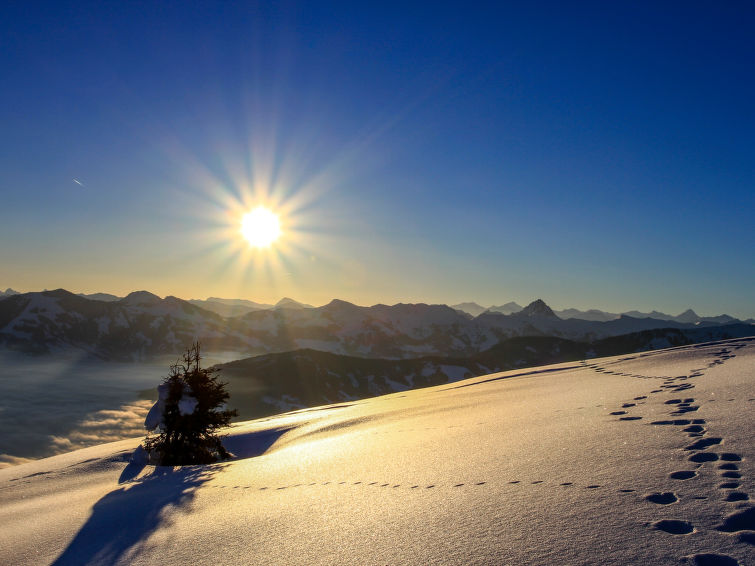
(598, 155)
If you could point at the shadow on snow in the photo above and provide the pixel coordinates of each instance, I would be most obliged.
(124, 519)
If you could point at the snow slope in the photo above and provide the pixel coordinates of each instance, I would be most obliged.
(637, 459)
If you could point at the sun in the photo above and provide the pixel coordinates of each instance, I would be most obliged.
(260, 227)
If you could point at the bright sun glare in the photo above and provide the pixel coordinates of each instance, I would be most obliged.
(260, 227)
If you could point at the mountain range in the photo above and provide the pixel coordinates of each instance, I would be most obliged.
(595, 315)
(142, 326)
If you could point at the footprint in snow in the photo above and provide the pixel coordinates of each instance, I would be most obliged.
(739, 521)
(731, 457)
(731, 475)
(703, 457)
(711, 559)
(737, 496)
(665, 498)
(703, 443)
(674, 527)
(682, 475)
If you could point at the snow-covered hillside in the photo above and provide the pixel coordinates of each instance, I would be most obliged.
(636, 459)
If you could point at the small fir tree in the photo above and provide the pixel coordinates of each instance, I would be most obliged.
(188, 414)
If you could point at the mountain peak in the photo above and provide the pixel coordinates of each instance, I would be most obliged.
(538, 308)
(340, 304)
(287, 303)
(140, 298)
(688, 316)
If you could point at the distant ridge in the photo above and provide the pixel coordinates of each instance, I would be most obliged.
(242, 302)
(286, 303)
(508, 308)
(106, 297)
(470, 308)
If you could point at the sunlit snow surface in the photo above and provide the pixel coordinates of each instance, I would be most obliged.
(578, 463)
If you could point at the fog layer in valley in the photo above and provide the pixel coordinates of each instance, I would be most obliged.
(50, 405)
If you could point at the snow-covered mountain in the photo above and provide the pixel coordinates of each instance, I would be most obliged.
(8, 292)
(142, 325)
(138, 326)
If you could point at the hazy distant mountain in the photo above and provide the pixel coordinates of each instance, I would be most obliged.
(107, 297)
(242, 302)
(508, 308)
(653, 314)
(470, 308)
(229, 307)
(286, 303)
(240, 307)
(591, 314)
(8, 292)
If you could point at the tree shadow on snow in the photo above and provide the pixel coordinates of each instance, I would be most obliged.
(123, 520)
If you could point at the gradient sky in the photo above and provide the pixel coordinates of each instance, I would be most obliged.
(598, 155)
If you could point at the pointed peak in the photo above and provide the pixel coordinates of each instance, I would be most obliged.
(688, 316)
(538, 308)
(339, 303)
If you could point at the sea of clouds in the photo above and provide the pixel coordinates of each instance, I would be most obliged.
(49, 406)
